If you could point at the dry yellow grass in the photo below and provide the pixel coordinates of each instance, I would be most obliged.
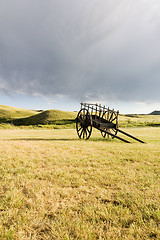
(55, 186)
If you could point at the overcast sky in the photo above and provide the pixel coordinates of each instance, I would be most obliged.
(57, 53)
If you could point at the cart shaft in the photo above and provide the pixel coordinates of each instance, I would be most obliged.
(115, 136)
(129, 135)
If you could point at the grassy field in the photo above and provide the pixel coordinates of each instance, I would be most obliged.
(55, 186)
(135, 120)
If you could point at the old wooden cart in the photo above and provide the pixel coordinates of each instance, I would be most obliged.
(101, 118)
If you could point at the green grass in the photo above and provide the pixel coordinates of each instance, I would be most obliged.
(55, 117)
(55, 186)
(137, 120)
(8, 113)
(11, 117)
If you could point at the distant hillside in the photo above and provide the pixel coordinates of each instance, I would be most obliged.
(155, 113)
(46, 117)
(8, 113)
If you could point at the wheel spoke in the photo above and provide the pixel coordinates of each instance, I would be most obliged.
(108, 130)
(87, 134)
(81, 133)
(103, 134)
(114, 131)
(88, 130)
(79, 129)
(84, 133)
(80, 118)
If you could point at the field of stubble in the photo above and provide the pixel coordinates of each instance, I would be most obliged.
(55, 186)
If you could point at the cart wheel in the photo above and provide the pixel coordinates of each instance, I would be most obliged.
(112, 117)
(111, 130)
(84, 124)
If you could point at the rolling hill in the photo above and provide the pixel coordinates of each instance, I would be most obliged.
(47, 117)
(155, 113)
(7, 113)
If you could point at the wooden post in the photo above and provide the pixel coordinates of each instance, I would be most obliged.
(96, 108)
(103, 109)
(117, 122)
(92, 110)
(100, 110)
(108, 113)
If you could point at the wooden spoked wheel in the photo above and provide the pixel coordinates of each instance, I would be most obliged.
(84, 124)
(112, 117)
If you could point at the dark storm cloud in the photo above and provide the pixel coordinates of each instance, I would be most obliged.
(81, 49)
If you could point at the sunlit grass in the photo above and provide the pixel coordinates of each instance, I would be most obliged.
(139, 120)
(55, 117)
(8, 113)
(55, 186)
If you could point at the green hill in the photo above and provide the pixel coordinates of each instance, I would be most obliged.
(47, 117)
(155, 113)
(7, 113)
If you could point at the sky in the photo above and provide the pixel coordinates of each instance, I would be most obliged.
(55, 54)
